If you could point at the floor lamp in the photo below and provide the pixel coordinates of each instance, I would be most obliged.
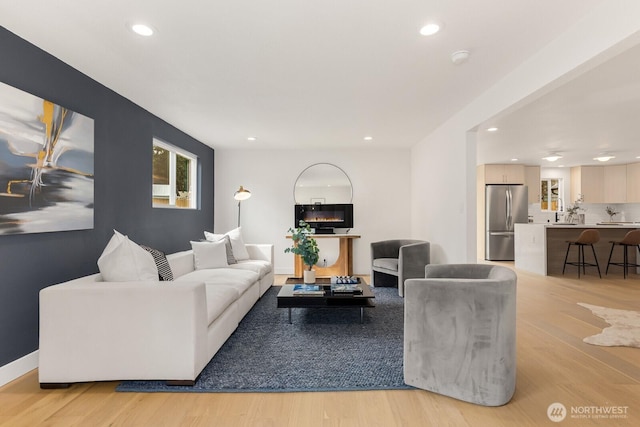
(240, 195)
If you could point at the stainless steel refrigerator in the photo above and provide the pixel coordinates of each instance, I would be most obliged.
(505, 205)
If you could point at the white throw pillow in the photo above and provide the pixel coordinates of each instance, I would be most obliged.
(227, 242)
(209, 254)
(237, 243)
(239, 250)
(212, 237)
(122, 261)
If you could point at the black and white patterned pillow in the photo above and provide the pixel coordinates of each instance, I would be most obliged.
(164, 269)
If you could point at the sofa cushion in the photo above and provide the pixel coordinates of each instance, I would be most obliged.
(257, 266)
(123, 260)
(219, 298)
(238, 248)
(386, 263)
(237, 243)
(208, 255)
(211, 237)
(240, 280)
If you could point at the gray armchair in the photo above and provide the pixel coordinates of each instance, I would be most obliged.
(394, 261)
(460, 332)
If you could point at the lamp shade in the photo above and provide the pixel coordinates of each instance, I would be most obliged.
(242, 194)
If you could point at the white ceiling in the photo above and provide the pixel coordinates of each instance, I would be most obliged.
(594, 113)
(299, 73)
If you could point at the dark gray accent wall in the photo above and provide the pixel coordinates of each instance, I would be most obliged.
(123, 147)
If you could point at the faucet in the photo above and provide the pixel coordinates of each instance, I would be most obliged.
(560, 204)
(556, 216)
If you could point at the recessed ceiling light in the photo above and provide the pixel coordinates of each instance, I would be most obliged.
(492, 129)
(142, 29)
(514, 160)
(430, 29)
(552, 157)
(604, 157)
(252, 138)
(368, 138)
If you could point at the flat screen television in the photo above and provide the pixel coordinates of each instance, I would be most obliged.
(324, 218)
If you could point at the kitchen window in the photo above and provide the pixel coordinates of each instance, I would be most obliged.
(552, 195)
(174, 177)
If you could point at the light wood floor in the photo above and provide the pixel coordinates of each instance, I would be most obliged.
(554, 365)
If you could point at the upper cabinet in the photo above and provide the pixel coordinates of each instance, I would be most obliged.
(587, 184)
(615, 184)
(606, 184)
(532, 180)
(504, 174)
(633, 183)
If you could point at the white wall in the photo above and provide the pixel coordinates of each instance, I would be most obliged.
(381, 196)
(441, 193)
(443, 173)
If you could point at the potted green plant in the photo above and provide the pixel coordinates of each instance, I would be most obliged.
(306, 247)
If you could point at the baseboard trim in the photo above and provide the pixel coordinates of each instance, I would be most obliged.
(18, 368)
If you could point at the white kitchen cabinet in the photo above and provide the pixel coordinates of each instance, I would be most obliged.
(532, 181)
(504, 174)
(587, 184)
(633, 183)
(615, 184)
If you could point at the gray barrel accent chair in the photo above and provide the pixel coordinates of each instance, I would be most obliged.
(460, 332)
(394, 261)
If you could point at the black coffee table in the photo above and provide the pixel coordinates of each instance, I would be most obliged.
(287, 299)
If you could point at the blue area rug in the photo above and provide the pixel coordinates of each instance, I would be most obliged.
(323, 350)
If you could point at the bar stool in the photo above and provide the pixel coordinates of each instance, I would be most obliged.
(632, 238)
(587, 238)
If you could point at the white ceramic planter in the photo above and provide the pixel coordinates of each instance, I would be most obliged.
(309, 276)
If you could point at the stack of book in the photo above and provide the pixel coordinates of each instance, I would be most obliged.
(346, 288)
(308, 290)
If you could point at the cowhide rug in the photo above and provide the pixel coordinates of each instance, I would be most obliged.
(624, 329)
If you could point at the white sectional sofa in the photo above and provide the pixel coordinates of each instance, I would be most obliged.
(92, 330)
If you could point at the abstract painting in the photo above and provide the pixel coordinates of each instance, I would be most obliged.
(46, 165)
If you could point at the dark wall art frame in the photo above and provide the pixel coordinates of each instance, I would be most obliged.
(46, 165)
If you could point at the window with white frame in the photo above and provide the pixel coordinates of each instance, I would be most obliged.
(551, 195)
(174, 176)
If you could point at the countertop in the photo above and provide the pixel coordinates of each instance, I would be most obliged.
(596, 225)
(542, 247)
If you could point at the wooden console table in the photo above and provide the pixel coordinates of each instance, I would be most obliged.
(343, 265)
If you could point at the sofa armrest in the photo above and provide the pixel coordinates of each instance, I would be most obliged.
(105, 331)
(262, 252)
(458, 271)
(413, 259)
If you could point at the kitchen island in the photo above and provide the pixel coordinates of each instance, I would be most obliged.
(541, 248)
